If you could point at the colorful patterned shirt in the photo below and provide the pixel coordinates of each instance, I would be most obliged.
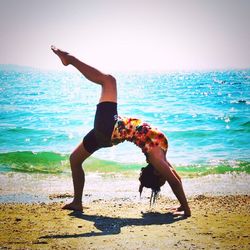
(138, 132)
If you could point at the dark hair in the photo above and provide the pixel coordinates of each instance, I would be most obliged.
(149, 179)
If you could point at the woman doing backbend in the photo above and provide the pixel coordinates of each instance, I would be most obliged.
(111, 129)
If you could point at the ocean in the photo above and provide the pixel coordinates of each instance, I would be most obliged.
(45, 114)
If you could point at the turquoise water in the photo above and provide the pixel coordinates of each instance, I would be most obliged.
(45, 114)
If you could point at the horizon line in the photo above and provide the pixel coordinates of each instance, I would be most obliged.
(69, 69)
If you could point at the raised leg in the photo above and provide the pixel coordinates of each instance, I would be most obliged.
(157, 158)
(108, 82)
(78, 156)
(108, 94)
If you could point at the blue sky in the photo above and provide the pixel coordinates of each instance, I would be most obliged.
(154, 35)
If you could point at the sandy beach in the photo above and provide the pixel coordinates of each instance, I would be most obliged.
(217, 223)
(119, 219)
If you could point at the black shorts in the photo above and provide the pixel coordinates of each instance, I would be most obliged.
(100, 135)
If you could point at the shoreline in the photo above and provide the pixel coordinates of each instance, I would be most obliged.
(28, 188)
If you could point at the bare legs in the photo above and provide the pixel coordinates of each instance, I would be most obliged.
(76, 159)
(109, 93)
(108, 83)
(79, 155)
(157, 159)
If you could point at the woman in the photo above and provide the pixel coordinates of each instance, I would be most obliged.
(110, 129)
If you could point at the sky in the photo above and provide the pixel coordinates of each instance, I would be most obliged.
(129, 35)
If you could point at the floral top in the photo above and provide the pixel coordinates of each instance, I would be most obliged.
(138, 132)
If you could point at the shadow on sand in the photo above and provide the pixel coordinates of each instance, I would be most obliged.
(109, 226)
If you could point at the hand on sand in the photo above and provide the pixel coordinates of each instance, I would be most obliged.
(73, 206)
(63, 55)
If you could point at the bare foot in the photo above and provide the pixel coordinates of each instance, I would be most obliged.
(185, 213)
(63, 55)
(177, 209)
(73, 206)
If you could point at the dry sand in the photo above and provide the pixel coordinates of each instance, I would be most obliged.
(220, 222)
(115, 217)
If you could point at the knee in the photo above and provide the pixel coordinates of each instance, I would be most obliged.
(109, 79)
(74, 160)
